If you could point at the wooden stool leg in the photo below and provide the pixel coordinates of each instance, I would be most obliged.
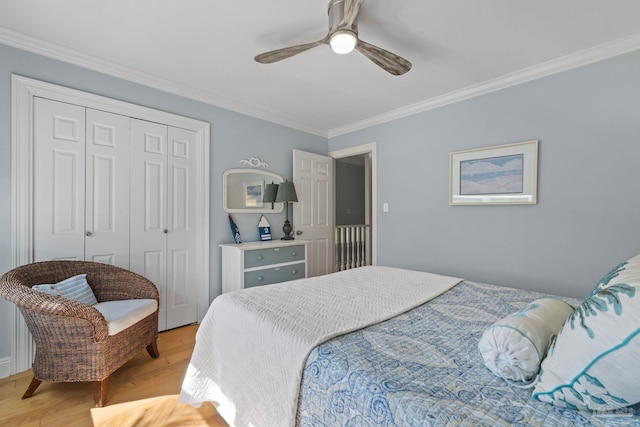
(100, 392)
(32, 388)
(152, 349)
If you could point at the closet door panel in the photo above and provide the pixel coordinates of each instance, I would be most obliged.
(107, 194)
(149, 225)
(181, 239)
(58, 181)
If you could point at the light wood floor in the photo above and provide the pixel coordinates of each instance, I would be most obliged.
(144, 392)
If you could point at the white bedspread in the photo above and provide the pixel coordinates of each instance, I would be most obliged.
(252, 345)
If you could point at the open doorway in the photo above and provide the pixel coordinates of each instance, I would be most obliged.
(355, 219)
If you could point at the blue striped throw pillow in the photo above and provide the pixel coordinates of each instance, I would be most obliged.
(75, 288)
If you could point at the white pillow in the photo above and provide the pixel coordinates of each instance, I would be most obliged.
(513, 347)
(594, 362)
(75, 288)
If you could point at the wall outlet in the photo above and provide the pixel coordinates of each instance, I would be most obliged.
(385, 207)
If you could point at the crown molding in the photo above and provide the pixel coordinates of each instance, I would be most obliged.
(40, 47)
(575, 60)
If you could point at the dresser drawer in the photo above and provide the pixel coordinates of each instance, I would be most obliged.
(269, 256)
(271, 275)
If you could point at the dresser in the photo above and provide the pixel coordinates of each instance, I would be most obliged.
(249, 264)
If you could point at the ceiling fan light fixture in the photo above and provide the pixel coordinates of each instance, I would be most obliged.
(343, 42)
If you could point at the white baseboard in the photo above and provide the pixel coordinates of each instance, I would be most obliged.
(5, 367)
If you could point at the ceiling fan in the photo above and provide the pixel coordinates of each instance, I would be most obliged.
(343, 38)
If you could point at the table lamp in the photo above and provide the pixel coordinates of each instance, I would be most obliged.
(286, 194)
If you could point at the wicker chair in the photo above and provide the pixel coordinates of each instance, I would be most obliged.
(72, 339)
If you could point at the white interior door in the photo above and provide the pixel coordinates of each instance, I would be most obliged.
(59, 184)
(149, 206)
(181, 297)
(107, 188)
(313, 214)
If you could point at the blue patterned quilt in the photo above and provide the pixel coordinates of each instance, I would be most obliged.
(423, 368)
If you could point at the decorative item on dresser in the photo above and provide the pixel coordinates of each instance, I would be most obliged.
(264, 229)
(251, 264)
(284, 192)
(287, 194)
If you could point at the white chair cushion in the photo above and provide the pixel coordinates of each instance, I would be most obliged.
(123, 313)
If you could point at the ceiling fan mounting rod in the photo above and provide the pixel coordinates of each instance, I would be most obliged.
(336, 18)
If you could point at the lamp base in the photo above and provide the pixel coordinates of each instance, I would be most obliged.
(287, 230)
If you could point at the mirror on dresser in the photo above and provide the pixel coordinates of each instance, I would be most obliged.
(243, 189)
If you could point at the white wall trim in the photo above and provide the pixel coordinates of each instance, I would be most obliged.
(575, 60)
(40, 47)
(5, 367)
(24, 90)
(578, 59)
(372, 150)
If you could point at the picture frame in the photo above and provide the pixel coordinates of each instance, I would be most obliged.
(253, 192)
(498, 175)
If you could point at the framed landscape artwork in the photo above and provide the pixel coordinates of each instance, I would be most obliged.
(497, 175)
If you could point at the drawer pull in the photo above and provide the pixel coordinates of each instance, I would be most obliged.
(294, 253)
(294, 271)
(259, 257)
(260, 278)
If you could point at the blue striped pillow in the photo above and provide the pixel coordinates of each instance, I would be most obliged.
(75, 288)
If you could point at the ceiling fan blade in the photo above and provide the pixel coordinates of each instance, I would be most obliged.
(351, 11)
(390, 62)
(287, 52)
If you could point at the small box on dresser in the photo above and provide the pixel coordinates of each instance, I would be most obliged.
(262, 263)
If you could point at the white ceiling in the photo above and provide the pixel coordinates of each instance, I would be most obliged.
(204, 49)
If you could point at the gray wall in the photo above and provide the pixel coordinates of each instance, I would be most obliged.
(349, 193)
(233, 137)
(588, 214)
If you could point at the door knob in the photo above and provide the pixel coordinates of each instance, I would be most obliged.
(88, 234)
(165, 231)
(298, 232)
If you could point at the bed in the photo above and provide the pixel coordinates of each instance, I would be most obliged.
(291, 354)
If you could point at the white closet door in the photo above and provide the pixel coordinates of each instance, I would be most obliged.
(181, 296)
(148, 243)
(58, 180)
(107, 191)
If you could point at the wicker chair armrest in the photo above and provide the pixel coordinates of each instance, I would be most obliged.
(38, 302)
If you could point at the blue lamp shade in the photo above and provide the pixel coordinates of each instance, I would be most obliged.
(286, 192)
(270, 191)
